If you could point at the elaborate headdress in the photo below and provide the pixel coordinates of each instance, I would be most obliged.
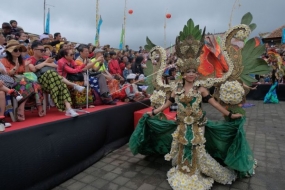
(222, 64)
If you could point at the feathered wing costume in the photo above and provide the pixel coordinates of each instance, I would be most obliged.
(196, 151)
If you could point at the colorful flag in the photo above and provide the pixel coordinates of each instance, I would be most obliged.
(283, 36)
(47, 23)
(122, 38)
(98, 31)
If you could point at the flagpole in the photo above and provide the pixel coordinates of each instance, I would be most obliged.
(44, 14)
(125, 17)
(165, 29)
(97, 21)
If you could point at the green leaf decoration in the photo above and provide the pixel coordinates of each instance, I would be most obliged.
(247, 18)
(248, 80)
(252, 26)
(252, 62)
(149, 44)
(190, 30)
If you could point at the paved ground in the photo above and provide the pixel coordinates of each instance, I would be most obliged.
(120, 170)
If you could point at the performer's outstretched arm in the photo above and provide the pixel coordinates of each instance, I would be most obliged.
(162, 108)
(207, 97)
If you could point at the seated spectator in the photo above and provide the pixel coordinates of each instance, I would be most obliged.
(3, 91)
(123, 63)
(98, 80)
(127, 70)
(106, 60)
(2, 47)
(137, 66)
(30, 90)
(48, 50)
(69, 70)
(114, 67)
(131, 89)
(50, 81)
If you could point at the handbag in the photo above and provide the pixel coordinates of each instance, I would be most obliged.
(8, 81)
(44, 69)
(74, 76)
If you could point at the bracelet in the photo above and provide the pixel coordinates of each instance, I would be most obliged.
(152, 112)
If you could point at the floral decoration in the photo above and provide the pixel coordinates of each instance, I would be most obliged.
(231, 92)
(158, 98)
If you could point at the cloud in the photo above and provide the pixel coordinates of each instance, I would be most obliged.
(76, 19)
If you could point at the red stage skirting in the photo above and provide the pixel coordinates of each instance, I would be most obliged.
(32, 118)
(138, 114)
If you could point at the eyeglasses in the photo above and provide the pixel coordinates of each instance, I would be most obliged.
(42, 50)
(17, 50)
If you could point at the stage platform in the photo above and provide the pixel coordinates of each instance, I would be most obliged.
(41, 153)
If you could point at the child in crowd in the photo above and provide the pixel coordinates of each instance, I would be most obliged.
(127, 70)
(130, 89)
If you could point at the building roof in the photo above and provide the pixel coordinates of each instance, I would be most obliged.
(277, 33)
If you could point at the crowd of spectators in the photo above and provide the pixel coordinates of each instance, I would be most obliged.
(72, 75)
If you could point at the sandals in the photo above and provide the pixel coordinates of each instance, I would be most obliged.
(19, 117)
(41, 112)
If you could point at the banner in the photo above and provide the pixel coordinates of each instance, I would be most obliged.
(122, 38)
(98, 31)
(283, 36)
(47, 23)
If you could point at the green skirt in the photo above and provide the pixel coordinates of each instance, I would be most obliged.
(225, 141)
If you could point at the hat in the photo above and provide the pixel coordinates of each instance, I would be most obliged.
(12, 44)
(97, 50)
(131, 76)
(44, 36)
(48, 46)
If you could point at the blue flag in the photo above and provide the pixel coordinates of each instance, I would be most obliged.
(283, 36)
(47, 23)
(98, 31)
(122, 38)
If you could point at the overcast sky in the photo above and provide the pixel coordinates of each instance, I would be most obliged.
(75, 19)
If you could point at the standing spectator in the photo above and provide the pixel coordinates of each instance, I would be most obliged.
(2, 47)
(14, 27)
(7, 29)
(127, 48)
(57, 37)
(44, 39)
(140, 50)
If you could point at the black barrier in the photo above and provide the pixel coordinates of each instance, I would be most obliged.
(261, 91)
(44, 156)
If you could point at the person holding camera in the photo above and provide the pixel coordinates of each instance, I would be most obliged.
(97, 80)
(74, 73)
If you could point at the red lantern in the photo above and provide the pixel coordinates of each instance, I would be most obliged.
(168, 15)
(131, 11)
